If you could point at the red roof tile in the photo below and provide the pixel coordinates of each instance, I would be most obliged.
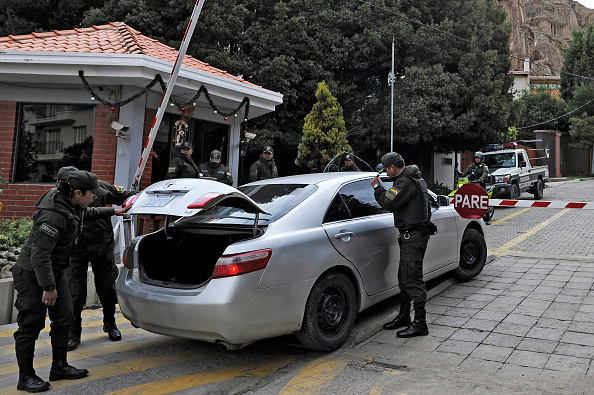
(116, 37)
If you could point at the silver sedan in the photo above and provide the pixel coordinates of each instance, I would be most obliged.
(301, 254)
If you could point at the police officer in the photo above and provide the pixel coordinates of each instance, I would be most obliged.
(349, 164)
(264, 168)
(215, 169)
(407, 200)
(477, 171)
(182, 165)
(96, 245)
(40, 275)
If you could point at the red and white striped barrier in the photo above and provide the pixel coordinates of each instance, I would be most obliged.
(537, 203)
(540, 203)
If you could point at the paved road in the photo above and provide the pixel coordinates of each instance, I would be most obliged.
(525, 325)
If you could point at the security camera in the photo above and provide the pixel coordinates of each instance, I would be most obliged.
(118, 127)
(250, 136)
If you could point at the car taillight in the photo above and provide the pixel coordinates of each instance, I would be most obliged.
(125, 257)
(129, 201)
(202, 200)
(234, 265)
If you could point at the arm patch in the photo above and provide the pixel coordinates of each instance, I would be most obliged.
(48, 230)
(391, 193)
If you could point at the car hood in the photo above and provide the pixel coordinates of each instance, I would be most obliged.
(503, 171)
(184, 197)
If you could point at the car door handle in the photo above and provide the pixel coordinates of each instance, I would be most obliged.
(343, 235)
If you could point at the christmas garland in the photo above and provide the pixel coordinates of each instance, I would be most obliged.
(118, 103)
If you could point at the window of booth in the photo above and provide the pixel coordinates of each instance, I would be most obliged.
(50, 136)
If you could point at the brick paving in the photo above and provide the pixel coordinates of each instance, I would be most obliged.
(525, 324)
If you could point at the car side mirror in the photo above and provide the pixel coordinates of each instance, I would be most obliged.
(522, 163)
(443, 201)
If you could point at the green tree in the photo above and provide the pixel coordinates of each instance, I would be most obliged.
(324, 132)
(455, 94)
(582, 132)
(543, 111)
(578, 63)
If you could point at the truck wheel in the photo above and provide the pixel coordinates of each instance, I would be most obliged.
(515, 192)
(537, 189)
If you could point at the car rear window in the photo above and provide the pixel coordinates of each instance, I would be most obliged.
(275, 199)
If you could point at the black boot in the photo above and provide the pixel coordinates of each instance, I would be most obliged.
(419, 326)
(60, 368)
(74, 339)
(402, 319)
(31, 383)
(28, 380)
(112, 331)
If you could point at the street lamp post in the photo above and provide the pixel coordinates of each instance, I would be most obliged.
(391, 81)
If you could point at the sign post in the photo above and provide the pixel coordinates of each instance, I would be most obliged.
(471, 201)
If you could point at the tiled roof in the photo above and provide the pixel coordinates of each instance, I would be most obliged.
(116, 37)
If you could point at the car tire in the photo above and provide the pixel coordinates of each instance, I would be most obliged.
(473, 255)
(514, 193)
(330, 313)
(538, 189)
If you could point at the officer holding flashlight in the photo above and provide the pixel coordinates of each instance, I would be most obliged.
(407, 199)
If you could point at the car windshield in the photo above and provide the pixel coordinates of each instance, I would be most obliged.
(498, 161)
(275, 199)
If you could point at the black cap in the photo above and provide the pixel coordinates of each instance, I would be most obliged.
(65, 171)
(389, 159)
(215, 156)
(186, 145)
(267, 149)
(349, 157)
(85, 180)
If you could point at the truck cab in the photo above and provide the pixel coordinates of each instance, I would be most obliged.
(515, 168)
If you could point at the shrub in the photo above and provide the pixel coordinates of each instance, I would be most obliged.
(439, 188)
(14, 231)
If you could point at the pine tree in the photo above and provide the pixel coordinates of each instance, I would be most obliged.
(324, 132)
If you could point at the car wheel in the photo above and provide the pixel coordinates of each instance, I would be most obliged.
(329, 313)
(538, 189)
(515, 192)
(473, 255)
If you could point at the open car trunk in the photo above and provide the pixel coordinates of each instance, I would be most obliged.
(184, 258)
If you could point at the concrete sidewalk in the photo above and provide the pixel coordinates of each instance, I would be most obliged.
(524, 325)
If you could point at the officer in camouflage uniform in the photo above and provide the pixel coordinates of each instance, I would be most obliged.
(182, 165)
(477, 171)
(215, 169)
(40, 275)
(264, 168)
(95, 245)
(407, 199)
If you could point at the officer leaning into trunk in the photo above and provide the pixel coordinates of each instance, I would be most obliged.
(407, 199)
(40, 275)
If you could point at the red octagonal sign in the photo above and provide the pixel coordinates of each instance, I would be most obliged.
(471, 201)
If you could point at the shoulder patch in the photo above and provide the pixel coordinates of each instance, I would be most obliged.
(391, 193)
(48, 230)
(171, 169)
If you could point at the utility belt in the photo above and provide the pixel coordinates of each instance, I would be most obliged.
(425, 227)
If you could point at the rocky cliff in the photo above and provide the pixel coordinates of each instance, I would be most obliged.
(542, 31)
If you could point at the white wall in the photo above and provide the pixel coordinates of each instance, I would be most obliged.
(443, 168)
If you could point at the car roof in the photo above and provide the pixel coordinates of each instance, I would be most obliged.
(317, 178)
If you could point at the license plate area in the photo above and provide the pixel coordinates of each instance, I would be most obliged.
(158, 201)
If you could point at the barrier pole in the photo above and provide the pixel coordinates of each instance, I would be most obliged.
(167, 94)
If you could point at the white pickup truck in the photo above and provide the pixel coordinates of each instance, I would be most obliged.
(515, 168)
